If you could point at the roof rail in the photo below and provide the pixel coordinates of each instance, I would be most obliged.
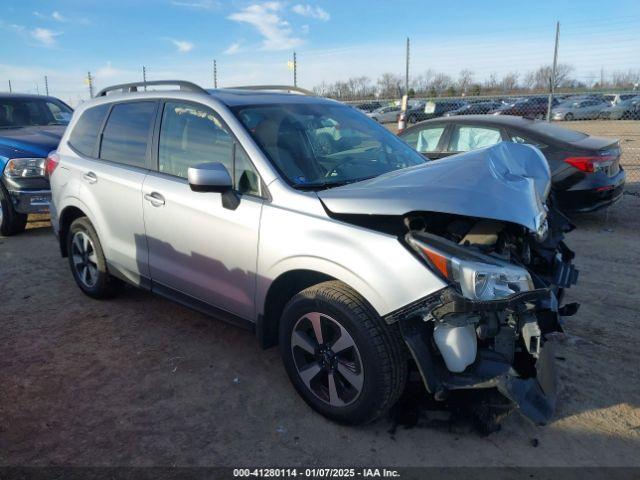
(284, 88)
(133, 87)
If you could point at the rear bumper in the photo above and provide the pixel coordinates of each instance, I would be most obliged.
(578, 200)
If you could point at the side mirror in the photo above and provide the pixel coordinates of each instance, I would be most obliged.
(209, 177)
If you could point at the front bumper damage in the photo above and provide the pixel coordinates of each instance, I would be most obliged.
(513, 354)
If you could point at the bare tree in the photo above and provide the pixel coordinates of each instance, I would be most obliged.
(441, 82)
(628, 79)
(491, 83)
(465, 79)
(509, 82)
(390, 85)
(541, 78)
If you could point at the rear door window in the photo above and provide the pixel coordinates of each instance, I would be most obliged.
(126, 135)
(84, 135)
(466, 137)
(425, 140)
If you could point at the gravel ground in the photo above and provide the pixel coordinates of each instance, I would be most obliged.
(141, 381)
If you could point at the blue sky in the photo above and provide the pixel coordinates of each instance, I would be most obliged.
(253, 40)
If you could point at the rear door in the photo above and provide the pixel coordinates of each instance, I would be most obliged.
(111, 185)
(198, 249)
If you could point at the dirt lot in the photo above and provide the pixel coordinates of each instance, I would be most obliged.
(141, 381)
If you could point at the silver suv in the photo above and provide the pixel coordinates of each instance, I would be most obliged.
(307, 222)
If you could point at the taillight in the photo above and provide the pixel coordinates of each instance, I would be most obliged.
(50, 164)
(589, 164)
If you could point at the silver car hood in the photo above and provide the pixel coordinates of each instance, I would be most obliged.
(508, 182)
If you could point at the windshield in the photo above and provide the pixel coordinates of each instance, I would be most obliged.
(323, 145)
(26, 112)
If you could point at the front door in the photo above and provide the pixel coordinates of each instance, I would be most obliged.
(196, 246)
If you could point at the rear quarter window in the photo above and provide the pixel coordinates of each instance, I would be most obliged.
(126, 135)
(84, 135)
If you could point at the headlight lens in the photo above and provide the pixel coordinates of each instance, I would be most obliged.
(25, 167)
(483, 281)
(477, 276)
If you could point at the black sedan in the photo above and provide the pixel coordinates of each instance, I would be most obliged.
(476, 108)
(586, 172)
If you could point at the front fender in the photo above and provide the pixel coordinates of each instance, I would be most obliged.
(374, 264)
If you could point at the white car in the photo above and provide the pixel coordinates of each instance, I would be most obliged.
(387, 114)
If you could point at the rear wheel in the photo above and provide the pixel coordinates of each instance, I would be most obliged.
(341, 357)
(87, 262)
(539, 116)
(11, 222)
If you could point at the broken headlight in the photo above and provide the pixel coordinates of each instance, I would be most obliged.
(476, 276)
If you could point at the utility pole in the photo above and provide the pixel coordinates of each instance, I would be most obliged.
(10, 89)
(215, 74)
(406, 72)
(144, 77)
(553, 72)
(601, 78)
(295, 70)
(90, 82)
(46, 85)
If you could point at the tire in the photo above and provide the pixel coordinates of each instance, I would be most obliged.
(411, 119)
(11, 222)
(87, 262)
(568, 117)
(539, 116)
(368, 375)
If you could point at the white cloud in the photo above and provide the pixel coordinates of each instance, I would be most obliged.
(277, 33)
(197, 4)
(45, 36)
(311, 12)
(305, 29)
(232, 49)
(182, 45)
(57, 16)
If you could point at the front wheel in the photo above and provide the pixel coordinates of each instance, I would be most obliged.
(87, 261)
(11, 222)
(568, 117)
(341, 357)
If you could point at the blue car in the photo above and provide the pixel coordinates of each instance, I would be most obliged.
(30, 127)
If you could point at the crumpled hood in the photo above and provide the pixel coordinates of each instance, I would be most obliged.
(508, 182)
(30, 141)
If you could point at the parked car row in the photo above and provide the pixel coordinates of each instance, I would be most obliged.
(563, 107)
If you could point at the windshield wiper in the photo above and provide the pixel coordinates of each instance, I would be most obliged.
(326, 185)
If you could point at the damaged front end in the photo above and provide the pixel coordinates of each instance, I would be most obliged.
(484, 221)
(488, 328)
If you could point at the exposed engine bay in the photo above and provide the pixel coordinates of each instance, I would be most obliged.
(466, 337)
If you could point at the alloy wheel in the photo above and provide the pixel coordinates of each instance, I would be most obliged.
(85, 260)
(327, 359)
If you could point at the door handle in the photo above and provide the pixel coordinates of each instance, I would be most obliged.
(154, 198)
(90, 177)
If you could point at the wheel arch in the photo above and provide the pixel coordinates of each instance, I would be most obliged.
(281, 290)
(70, 212)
